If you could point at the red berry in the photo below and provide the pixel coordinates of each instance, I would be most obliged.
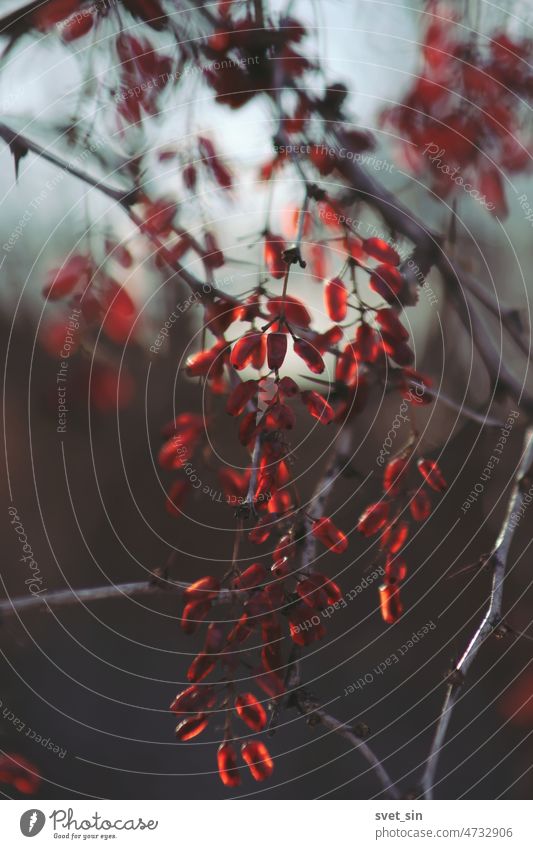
(288, 387)
(373, 518)
(241, 396)
(207, 362)
(395, 570)
(420, 506)
(176, 497)
(204, 589)
(317, 406)
(388, 319)
(381, 250)
(273, 255)
(306, 625)
(309, 355)
(394, 475)
(276, 350)
(252, 577)
(200, 668)
(346, 368)
(329, 535)
(251, 711)
(193, 615)
(189, 728)
(390, 603)
(431, 473)
(249, 350)
(193, 700)
(387, 281)
(227, 765)
(394, 537)
(336, 299)
(293, 309)
(366, 346)
(257, 757)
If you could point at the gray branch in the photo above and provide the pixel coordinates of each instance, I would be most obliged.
(498, 561)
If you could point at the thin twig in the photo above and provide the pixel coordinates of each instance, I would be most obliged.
(492, 618)
(307, 706)
(62, 598)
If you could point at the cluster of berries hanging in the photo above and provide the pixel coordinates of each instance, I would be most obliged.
(365, 346)
(464, 120)
(265, 602)
(403, 499)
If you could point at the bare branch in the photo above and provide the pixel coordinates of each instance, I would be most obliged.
(307, 706)
(62, 598)
(492, 618)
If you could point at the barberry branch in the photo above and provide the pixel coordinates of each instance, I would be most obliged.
(63, 598)
(498, 561)
(428, 253)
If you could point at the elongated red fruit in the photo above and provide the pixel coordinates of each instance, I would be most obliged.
(193, 615)
(250, 349)
(189, 728)
(381, 250)
(202, 665)
(373, 518)
(227, 765)
(251, 578)
(388, 320)
(61, 281)
(309, 355)
(294, 310)
(305, 624)
(205, 362)
(394, 537)
(394, 475)
(346, 368)
(251, 711)
(262, 531)
(395, 570)
(276, 350)
(390, 603)
(273, 255)
(257, 757)
(329, 535)
(317, 406)
(420, 506)
(387, 281)
(176, 497)
(288, 387)
(193, 700)
(366, 346)
(241, 395)
(317, 591)
(204, 589)
(431, 473)
(336, 299)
